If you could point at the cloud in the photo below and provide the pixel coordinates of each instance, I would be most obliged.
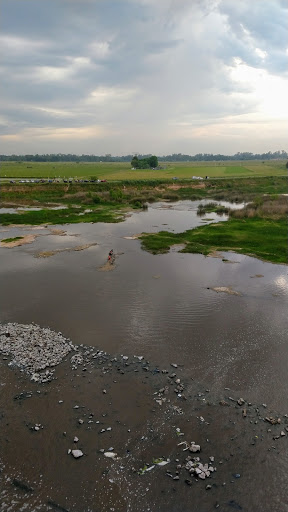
(158, 74)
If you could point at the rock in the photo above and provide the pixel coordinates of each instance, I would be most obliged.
(75, 439)
(241, 401)
(282, 433)
(194, 448)
(174, 365)
(208, 487)
(80, 422)
(273, 421)
(111, 455)
(77, 453)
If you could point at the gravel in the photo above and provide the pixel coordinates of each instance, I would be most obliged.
(33, 349)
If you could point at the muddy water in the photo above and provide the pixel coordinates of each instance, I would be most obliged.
(161, 307)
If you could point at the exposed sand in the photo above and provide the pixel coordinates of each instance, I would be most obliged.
(59, 232)
(133, 237)
(27, 239)
(47, 254)
(107, 267)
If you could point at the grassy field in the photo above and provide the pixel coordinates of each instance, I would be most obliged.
(122, 171)
(263, 238)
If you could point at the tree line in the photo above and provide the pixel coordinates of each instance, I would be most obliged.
(175, 157)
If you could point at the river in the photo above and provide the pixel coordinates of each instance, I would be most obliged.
(164, 308)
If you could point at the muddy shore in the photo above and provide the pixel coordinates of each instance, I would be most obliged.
(89, 407)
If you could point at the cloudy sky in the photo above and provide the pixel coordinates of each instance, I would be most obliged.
(147, 76)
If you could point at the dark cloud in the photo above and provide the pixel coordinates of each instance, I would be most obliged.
(123, 63)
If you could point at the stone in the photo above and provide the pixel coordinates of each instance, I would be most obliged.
(77, 454)
(111, 455)
(195, 448)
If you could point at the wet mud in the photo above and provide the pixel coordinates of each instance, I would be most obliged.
(147, 416)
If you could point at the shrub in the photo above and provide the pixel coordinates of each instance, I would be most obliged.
(116, 194)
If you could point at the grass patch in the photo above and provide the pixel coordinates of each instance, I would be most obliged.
(212, 207)
(262, 238)
(103, 213)
(8, 240)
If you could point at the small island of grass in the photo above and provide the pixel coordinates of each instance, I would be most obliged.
(9, 240)
(259, 229)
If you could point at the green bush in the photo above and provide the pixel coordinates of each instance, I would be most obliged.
(116, 194)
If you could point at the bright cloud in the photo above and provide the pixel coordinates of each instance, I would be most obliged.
(157, 76)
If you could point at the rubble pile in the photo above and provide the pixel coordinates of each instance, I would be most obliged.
(33, 349)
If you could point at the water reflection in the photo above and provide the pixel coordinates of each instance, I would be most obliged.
(158, 305)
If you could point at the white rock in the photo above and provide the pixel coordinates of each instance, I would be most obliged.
(111, 455)
(77, 453)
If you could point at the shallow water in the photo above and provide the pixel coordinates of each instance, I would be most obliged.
(160, 306)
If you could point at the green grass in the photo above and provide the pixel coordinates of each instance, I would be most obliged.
(104, 213)
(8, 240)
(119, 171)
(262, 238)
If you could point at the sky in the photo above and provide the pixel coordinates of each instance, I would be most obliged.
(143, 76)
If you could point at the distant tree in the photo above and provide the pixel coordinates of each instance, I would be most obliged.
(286, 165)
(135, 162)
(153, 161)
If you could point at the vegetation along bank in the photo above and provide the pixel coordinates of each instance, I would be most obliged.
(260, 229)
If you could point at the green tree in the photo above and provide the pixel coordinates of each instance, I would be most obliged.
(135, 162)
(153, 161)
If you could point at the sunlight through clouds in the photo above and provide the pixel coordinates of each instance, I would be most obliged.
(175, 76)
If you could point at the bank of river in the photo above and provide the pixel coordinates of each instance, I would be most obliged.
(164, 309)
